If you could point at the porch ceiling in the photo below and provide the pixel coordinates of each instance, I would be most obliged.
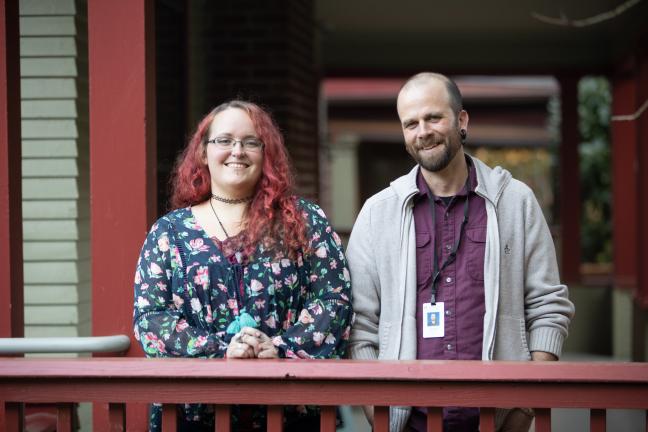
(383, 37)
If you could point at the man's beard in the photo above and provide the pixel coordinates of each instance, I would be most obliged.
(434, 163)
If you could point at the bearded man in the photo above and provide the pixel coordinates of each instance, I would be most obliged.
(453, 261)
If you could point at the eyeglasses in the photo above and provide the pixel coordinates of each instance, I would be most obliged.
(227, 143)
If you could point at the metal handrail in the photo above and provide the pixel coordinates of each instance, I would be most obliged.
(51, 345)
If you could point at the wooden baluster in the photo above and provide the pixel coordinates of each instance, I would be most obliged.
(222, 423)
(11, 417)
(117, 417)
(169, 418)
(275, 418)
(327, 418)
(381, 419)
(64, 417)
(543, 419)
(597, 420)
(435, 419)
(487, 419)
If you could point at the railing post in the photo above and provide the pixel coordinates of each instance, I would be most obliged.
(117, 417)
(222, 421)
(169, 418)
(487, 419)
(435, 419)
(11, 416)
(64, 417)
(275, 418)
(543, 419)
(381, 419)
(597, 420)
(327, 418)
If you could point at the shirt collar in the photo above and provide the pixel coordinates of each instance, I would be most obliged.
(424, 192)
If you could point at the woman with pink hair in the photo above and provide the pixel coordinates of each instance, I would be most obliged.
(242, 268)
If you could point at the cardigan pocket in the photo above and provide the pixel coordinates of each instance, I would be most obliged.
(511, 342)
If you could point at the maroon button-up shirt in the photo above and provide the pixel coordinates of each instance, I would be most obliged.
(460, 286)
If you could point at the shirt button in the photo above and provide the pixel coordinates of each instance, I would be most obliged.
(448, 279)
(448, 247)
(449, 347)
(448, 312)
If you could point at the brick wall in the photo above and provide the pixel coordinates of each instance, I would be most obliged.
(264, 52)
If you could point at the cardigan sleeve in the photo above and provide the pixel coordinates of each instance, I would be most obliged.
(162, 317)
(548, 310)
(322, 328)
(363, 344)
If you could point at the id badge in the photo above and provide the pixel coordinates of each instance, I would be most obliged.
(433, 324)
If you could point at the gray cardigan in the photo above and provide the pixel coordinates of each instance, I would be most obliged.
(527, 308)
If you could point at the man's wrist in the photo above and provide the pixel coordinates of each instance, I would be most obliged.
(543, 356)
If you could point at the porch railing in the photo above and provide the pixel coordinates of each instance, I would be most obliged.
(432, 384)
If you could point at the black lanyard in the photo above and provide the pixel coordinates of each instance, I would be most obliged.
(453, 254)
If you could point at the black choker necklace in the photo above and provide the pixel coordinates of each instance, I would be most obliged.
(232, 200)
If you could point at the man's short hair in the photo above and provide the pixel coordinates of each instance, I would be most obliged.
(456, 101)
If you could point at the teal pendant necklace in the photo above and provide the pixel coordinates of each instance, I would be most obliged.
(243, 319)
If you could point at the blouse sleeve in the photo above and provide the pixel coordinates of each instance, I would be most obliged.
(324, 323)
(160, 322)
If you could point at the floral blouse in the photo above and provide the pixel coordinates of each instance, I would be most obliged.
(187, 292)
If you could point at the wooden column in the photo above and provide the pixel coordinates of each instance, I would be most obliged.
(11, 251)
(122, 164)
(624, 181)
(570, 198)
(642, 197)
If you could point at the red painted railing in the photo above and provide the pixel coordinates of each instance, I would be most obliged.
(490, 385)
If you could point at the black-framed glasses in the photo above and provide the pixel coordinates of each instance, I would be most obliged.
(250, 144)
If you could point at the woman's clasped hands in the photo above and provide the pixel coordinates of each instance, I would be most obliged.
(251, 343)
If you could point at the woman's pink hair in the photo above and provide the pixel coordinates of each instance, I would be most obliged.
(273, 215)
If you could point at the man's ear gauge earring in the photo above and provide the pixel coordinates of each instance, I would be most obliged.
(463, 133)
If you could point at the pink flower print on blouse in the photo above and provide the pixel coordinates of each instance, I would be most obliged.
(290, 280)
(288, 321)
(255, 285)
(305, 317)
(202, 276)
(318, 338)
(198, 245)
(181, 325)
(316, 309)
(337, 239)
(271, 322)
(163, 244)
(177, 301)
(142, 302)
(195, 305)
(276, 268)
(155, 269)
(321, 252)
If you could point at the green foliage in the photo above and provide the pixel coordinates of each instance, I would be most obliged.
(595, 169)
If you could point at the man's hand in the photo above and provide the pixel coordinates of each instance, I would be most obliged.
(543, 356)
